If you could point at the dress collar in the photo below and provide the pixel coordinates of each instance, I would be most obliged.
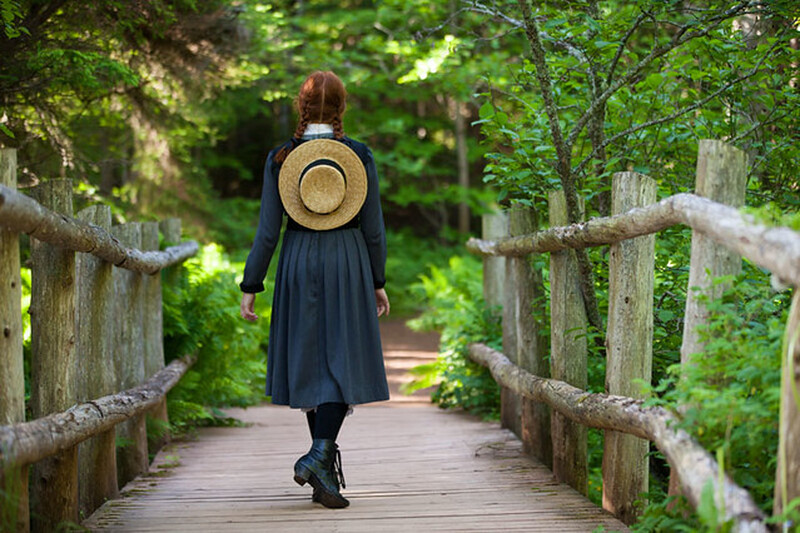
(317, 128)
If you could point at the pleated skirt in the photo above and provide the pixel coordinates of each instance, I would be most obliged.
(324, 341)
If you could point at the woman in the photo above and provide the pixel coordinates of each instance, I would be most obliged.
(324, 350)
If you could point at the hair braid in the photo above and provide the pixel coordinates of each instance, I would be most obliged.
(338, 129)
(305, 120)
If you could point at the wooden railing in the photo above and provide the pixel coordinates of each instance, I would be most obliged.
(96, 330)
(531, 386)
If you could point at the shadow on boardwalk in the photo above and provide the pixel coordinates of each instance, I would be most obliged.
(409, 466)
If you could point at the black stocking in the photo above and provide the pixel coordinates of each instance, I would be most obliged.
(310, 417)
(328, 420)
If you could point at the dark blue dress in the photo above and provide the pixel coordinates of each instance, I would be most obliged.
(324, 342)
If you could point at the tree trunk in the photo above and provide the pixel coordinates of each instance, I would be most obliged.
(463, 164)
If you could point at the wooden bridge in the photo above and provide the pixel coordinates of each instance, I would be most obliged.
(409, 465)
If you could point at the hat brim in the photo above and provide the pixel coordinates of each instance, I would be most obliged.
(355, 183)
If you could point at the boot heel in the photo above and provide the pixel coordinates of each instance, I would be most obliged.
(301, 475)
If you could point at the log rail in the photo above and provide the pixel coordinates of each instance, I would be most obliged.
(29, 442)
(96, 330)
(721, 234)
(775, 248)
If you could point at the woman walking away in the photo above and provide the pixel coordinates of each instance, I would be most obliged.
(324, 352)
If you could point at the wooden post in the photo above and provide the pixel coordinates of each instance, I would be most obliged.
(787, 477)
(97, 460)
(568, 355)
(494, 226)
(171, 230)
(13, 479)
(629, 345)
(530, 346)
(495, 282)
(54, 481)
(154, 338)
(722, 177)
(510, 401)
(460, 111)
(132, 458)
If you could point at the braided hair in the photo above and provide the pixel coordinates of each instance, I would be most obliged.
(322, 99)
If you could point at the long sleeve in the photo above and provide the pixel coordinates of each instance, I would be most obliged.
(269, 229)
(372, 225)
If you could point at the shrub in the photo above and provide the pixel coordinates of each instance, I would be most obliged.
(729, 394)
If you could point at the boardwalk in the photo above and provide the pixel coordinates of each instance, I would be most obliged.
(409, 466)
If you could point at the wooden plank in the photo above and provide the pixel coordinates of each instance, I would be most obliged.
(406, 467)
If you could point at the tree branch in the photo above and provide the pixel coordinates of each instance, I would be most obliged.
(678, 113)
(683, 35)
(564, 162)
(622, 45)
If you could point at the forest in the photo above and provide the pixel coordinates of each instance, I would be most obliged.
(163, 108)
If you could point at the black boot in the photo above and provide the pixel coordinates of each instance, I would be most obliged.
(317, 468)
(338, 476)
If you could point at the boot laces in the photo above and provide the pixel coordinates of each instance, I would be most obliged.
(337, 468)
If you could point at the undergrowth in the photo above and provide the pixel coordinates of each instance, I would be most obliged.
(729, 395)
(455, 309)
(201, 315)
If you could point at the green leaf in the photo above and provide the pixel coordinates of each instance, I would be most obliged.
(486, 111)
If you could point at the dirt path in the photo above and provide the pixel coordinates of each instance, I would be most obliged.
(404, 349)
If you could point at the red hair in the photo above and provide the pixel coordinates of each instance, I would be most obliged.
(322, 99)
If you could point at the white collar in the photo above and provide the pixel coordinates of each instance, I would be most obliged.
(317, 128)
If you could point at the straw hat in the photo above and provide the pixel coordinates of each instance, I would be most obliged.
(322, 184)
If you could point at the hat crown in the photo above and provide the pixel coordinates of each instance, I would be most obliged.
(322, 189)
(322, 184)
